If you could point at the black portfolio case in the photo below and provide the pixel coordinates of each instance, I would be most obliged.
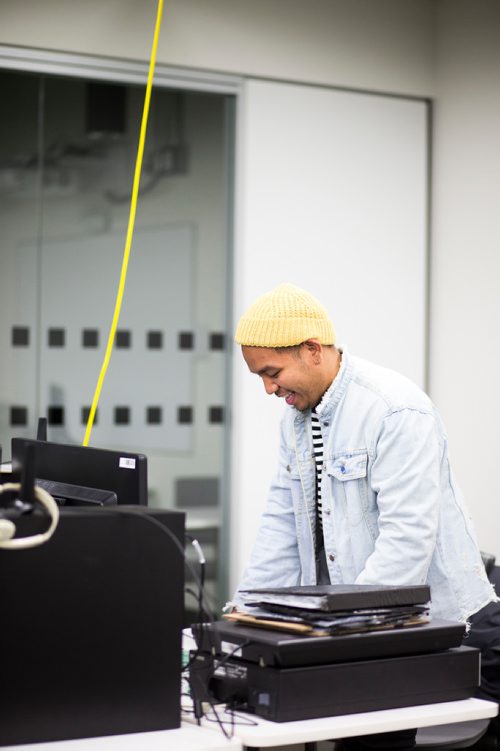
(91, 627)
(301, 693)
(331, 598)
(278, 649)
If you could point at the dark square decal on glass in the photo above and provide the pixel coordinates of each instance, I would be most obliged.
(185, 415)
(85, 415)
(154, 415)
(155, 339)
(186, 340)
(20, 336)
(216, 414)
(18, 416)
(217, 341)
(122, 415)
(57, 337)
(55, 415)
(90, 338)
(123, 339)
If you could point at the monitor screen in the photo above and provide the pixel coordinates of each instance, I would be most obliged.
(84, 475)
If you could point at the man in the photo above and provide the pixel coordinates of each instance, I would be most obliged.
(363, 492)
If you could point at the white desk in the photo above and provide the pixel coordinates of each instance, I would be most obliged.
(260, 733)
(264, 734)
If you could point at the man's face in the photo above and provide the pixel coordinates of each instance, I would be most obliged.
(296, 375)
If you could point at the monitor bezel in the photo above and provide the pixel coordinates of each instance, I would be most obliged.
(123, 472)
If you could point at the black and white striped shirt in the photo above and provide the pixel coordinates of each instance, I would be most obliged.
(317, 440)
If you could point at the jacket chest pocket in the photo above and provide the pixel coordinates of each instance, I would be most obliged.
(348, 478)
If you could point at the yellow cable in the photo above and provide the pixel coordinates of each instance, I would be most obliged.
(130, 230)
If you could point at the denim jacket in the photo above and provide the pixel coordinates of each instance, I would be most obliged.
(392, 512)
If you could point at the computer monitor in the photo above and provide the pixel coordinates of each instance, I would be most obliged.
(84, 475)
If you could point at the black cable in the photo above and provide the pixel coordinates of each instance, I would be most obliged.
(217, 663)
(242, 720)
(228, 656)
(220, 723)
(202, 561)
(191, 592)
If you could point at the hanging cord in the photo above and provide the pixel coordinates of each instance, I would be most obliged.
(202, 561)
(130, 230)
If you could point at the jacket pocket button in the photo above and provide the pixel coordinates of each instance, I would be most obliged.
(331, 557)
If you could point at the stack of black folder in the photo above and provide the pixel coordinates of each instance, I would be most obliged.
(278, 671)
(337, 609)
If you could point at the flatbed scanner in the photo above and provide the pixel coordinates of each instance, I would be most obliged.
(282, 677)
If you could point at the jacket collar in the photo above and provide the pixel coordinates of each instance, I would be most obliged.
(333, 395)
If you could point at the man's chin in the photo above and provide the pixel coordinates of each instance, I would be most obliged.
(301, 406)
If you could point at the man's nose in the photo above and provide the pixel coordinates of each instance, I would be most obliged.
(270, 386)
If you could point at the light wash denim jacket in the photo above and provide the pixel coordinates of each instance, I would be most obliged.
(392, 512)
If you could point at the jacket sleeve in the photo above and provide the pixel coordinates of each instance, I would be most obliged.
(275, 556)
(405, 477)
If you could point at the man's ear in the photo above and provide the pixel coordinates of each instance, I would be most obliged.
(315, 350)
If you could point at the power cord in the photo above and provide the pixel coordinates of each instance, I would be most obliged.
(202, 561)
(217, 664)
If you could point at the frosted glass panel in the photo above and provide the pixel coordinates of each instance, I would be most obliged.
(67, 160)
(159, 299)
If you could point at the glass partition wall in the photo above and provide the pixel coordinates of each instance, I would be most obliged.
(67, 158)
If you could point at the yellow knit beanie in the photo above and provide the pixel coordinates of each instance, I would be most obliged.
(283, 317)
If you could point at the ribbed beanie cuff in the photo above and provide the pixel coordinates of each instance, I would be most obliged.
(284, 317)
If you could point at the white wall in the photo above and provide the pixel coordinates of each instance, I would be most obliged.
(372, 44)
(465, 356)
